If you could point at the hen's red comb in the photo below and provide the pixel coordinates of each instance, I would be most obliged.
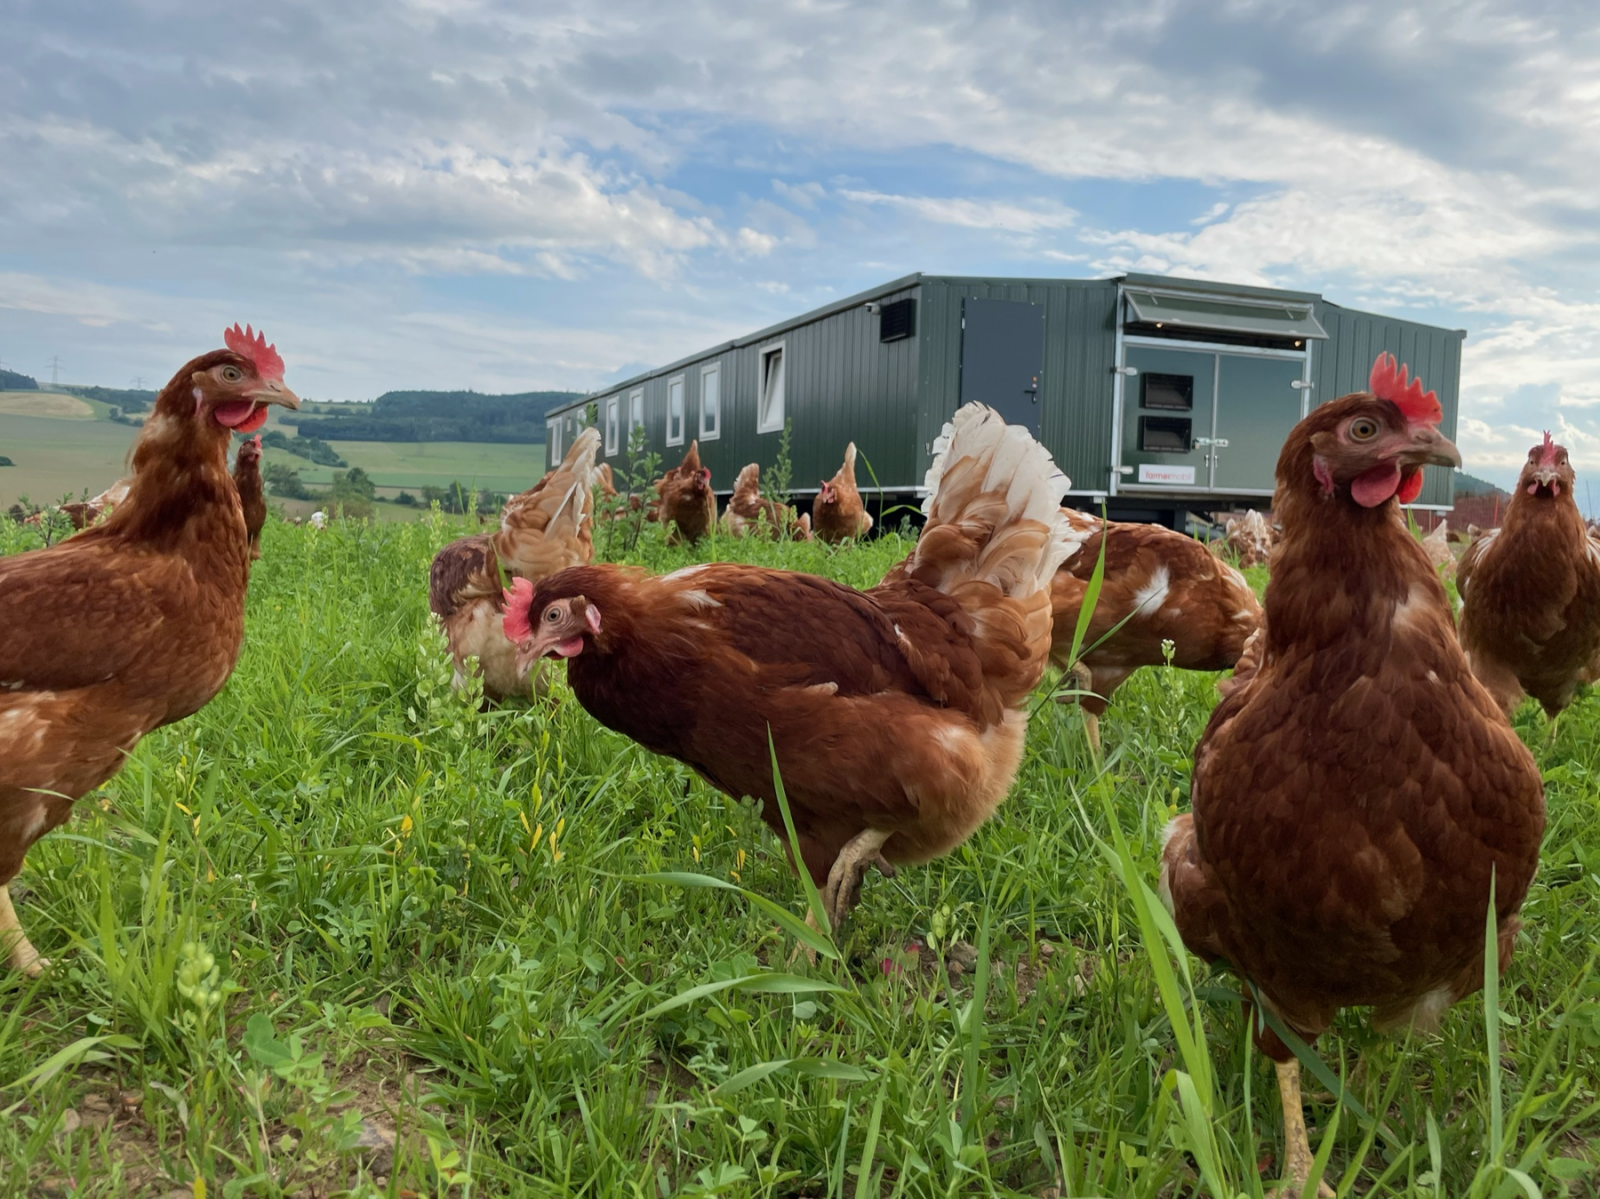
(1547, 452)
(252, 345)
(518, 623)
(1388, 382)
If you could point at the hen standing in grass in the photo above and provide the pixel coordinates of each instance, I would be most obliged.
(1160, 589)
(544, 529)
(750, 512)
(247, 478)
(838, 512)
(686, 505)
(1356, 796)
(136, 622)
(897, 714)
(1530, 591)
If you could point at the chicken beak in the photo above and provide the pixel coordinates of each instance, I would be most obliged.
(1429, 447)
(1546, 475)
(273, 391)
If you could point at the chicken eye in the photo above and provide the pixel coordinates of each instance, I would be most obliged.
(552, 614)
(1363, 428)
(232, 374)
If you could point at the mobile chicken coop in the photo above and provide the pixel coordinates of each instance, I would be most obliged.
(1157, 396)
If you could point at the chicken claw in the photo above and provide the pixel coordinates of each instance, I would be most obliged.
(20, 953)
(1297, 1154)
(1083, 680)
(843, 888)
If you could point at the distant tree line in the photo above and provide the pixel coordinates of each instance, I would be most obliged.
(313, 449)
(13, 381)
(441, 416)
(129, 399)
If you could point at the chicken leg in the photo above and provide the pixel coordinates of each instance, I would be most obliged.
(843, 888)
(1297, 1154)
(1083, 681)
(20, 953)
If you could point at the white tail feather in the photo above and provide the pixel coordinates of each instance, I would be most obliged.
(987, 472)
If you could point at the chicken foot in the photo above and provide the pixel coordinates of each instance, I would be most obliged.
(20, 953)
(842, 891)
(1083, 679)
(1298, 1158)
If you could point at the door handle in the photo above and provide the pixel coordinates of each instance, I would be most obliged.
(1220, 443)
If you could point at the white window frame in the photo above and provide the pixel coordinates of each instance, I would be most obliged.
(770, 415)
(711, 374)
(678, 383)
(635, 411)
(552, 438)
(613, 424)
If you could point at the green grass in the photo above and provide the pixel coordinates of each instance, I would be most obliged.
(340, 893)
(56, 457)
(415, 464)
(79, 456)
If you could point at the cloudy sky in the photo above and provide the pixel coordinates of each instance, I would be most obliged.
(507, 196)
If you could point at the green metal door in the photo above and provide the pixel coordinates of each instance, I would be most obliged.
(1168, 399)
(1257, 404)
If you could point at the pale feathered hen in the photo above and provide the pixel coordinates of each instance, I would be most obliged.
(543, 530)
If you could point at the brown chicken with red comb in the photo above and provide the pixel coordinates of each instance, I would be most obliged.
(685, 504)
(136, 622)
(898, 714)
(1357, 791)
(838, 512)
(247, 478)
(1530, 591)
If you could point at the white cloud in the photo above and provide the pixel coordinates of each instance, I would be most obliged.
(999, 215)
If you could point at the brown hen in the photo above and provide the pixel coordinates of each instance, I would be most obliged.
(838, 512)
(685, 505)
(750, 513)
(898, 714)
(136, 622)
(1354, 797)
(1530, 591)
(544, 529)
(247, 479)
(1160, 589)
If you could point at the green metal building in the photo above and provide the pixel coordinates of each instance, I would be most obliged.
(1157, 396)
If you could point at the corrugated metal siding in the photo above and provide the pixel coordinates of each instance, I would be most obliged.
(1076, 384)
(841, 384)
(892, 399)
(1343, 363)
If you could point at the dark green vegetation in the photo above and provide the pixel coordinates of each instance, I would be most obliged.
(341, 894)
(439, 416)
(128, 399)
(1466, 484)
(16, 381)
(312, 449)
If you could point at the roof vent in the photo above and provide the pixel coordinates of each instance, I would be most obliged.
(897, 321)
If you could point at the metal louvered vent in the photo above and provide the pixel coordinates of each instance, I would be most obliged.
(897, 321)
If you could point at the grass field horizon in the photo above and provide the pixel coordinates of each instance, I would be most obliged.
(64, 445)
(341, 933)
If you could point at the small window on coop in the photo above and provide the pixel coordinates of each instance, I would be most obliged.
(711, 402)
(897, 321)
(1165, 435)
(769, 417)
(1167, 391)
(613, 424)
(635, 410)
(675, 411)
